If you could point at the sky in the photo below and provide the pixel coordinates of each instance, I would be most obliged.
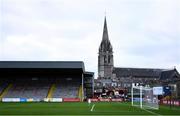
(143, 33)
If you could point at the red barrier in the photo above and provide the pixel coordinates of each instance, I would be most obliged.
(177, 103)
(106, 100)
(172, 102)
(71, 100)
(94, 100)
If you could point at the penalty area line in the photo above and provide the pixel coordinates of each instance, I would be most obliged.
(92, 107)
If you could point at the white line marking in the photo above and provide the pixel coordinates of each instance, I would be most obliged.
(92, 107)
(151, 112)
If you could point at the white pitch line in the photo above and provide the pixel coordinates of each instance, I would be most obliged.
(151, 112)
(92, 107)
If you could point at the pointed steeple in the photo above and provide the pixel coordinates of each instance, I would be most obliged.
(105, 43)
(105, 31)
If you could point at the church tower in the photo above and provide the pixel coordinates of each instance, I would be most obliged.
(105, 57)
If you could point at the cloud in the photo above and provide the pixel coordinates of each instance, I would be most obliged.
(143, 33)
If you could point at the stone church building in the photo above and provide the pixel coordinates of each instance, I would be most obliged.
(111, 76)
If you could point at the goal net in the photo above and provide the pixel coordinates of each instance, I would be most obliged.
(143, 97)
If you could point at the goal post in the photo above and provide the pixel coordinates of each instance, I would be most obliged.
(144, 97)
(136, 96)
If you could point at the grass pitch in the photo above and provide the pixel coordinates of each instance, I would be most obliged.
(82, 108)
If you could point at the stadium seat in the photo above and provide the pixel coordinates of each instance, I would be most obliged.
(66, 90)
(28, 90)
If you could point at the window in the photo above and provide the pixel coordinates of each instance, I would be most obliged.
(109, 59)
(105, 59)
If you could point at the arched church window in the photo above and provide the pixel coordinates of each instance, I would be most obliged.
(105, 59)
(109, 59)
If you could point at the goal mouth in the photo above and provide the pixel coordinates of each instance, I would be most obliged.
(143, 97)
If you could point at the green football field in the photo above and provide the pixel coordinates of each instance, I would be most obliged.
(82, 108)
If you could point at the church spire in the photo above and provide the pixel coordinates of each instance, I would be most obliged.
(105, 43)
(105, 31)
(105, 57)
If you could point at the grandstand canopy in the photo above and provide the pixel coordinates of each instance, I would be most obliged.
(42, 64)
(42, 68)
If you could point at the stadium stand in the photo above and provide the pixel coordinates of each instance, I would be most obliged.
(66, 90)
(44, 80)
(41, 90)
(28, 90)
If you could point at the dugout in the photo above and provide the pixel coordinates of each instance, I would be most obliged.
(47, 72)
